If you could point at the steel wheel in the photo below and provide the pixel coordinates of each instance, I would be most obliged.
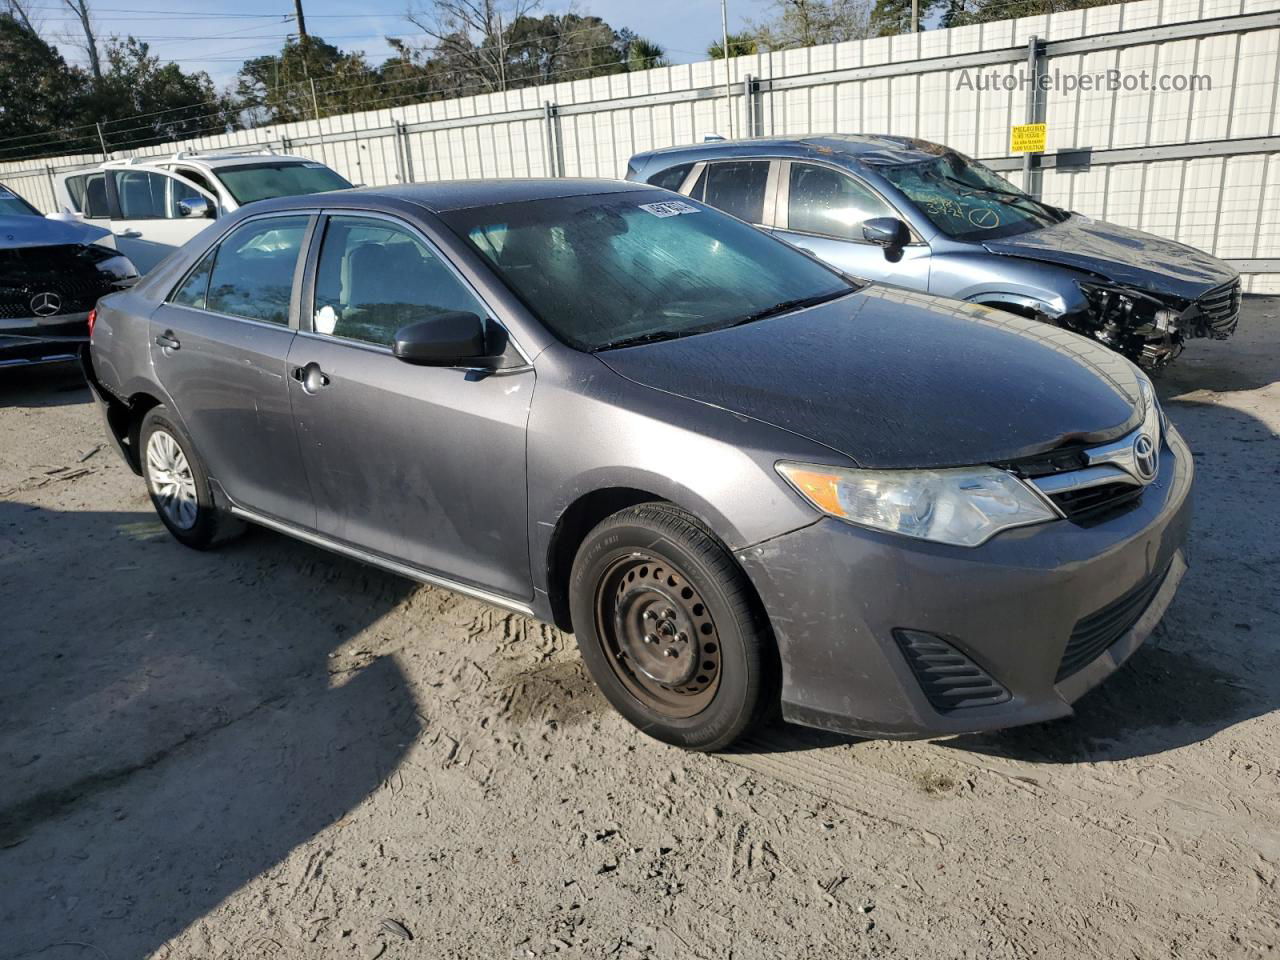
(169, 477)
(658, 635)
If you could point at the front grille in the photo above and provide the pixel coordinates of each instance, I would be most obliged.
(1093, 503)
(1220, 310)
(949, 679)
(69, 271)
(1093, 634)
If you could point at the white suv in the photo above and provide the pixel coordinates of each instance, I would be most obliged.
(155, 206)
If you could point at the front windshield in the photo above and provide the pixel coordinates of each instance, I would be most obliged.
(615, 269)
(260, 181)
(12, 205)
(966, 201)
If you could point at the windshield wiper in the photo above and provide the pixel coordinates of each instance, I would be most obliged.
(1053, 212)
(786, 306)
(651, 336)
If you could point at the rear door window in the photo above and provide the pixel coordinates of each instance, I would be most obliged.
(672, 177)
(88, 193)
(253, 269)
(737, 187)
(141, 194)
(192, 292)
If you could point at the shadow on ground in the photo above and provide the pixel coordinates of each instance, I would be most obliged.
(165, 716)
(51, 385)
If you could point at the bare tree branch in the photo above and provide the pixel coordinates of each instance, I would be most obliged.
(16, 10)
(473, 34)
(81, 9)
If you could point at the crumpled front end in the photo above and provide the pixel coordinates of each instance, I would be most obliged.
(1152, 329)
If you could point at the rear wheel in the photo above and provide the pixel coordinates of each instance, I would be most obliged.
(670, 630)
(178, 484)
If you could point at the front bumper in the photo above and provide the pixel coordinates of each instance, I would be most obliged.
(835, 594)
(25, 341)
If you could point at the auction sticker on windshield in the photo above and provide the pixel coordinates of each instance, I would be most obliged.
(669, 208)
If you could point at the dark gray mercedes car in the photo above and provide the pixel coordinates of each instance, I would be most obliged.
(737, 476)
(923, 216)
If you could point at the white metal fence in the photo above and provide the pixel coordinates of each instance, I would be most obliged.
(1199, 165)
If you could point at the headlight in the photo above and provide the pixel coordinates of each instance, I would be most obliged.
(965, 507)
(1153, 422)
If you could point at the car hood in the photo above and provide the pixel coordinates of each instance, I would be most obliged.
(1121, 255)
(24, 231)
(892, 378)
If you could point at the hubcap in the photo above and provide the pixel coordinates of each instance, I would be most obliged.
(658, 635)
(170, 480)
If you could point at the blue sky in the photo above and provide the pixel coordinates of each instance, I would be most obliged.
(205, 36)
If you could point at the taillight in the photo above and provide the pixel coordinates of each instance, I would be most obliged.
(93, 318)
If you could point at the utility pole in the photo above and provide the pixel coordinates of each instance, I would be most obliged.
(302, 21)
(915, 15)
(728, 80)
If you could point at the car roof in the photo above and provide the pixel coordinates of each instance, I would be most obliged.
(865, 147)
(209, 160)
(213, 161)
(445, 195)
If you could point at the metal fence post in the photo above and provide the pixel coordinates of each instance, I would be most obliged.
(408, 153)
(748, 110)
(1031, 175)
(555, 148)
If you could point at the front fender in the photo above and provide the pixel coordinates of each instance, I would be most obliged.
(592, 430)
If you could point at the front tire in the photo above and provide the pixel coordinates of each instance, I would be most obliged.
(179, 485)
(670, 629)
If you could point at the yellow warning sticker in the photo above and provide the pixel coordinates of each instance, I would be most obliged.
(1027, 138)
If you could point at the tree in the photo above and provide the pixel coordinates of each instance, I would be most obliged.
(808, 23)
(642, 54)
(15, 9)
(474, 34)
(40, 95)
(278, 88)
(740, 45)
(553, 48)
(81, 9)
(958, 13)
(892, 17)
(141, 100)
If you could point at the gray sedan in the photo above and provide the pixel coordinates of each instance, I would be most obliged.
(922, 216)
(737, 476)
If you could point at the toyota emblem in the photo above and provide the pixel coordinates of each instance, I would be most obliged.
(1144, 457)
(46, 304)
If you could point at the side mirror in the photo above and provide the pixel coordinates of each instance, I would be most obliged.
(888, 232)
(195, 207)
(454, 339)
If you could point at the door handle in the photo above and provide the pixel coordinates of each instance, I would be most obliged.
(131, 233)
(311, 377)
(168, 341)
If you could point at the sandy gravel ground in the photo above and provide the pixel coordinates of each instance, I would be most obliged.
(271, 752)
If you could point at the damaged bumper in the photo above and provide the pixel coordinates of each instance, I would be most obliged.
(115, 413)
(890, 637)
